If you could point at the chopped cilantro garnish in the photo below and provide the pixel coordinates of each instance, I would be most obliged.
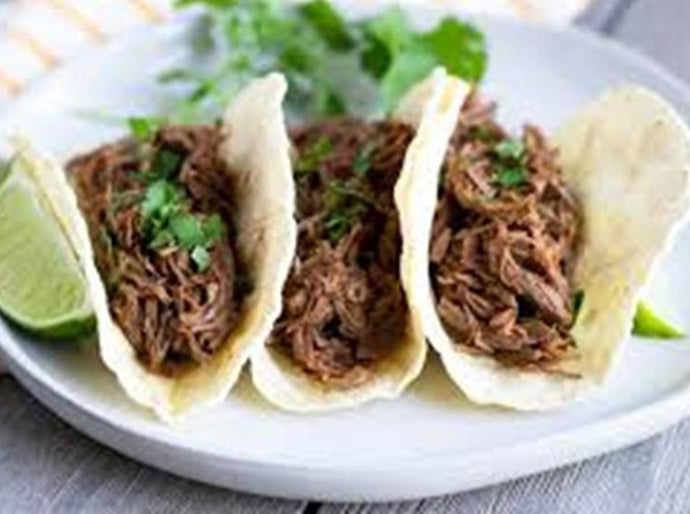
(201, 258)
(166, 164)
(340, 192)
(510, 165)
(510, 149)
(313, 156)
(163, 238)
(213, 228)
(509, 176)
(344, 206)
(187, 230)
(577, 301)
(144, 129)
(362, 162)
(162, 200)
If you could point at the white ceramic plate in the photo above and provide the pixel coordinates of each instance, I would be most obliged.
(429, 442)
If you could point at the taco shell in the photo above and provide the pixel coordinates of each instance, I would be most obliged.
(257, 149)
(626, 158)
(283, 382)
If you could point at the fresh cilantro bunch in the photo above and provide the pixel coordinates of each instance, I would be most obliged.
(312, 44)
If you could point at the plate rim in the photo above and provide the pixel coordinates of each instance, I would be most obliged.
(565, 447)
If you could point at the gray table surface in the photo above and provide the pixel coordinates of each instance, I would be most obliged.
(46, 466)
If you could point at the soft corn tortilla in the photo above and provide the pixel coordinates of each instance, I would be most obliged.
(257, 149)
(286, 384)
(627, 159)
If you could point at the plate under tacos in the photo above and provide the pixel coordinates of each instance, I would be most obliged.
(430, 441)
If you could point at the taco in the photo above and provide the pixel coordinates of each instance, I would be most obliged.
(185, 235)
(532, 254)
(346, 335)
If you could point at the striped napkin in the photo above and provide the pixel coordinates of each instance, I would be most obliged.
(38, 35)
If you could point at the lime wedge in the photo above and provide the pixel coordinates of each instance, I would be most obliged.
(42, 288)
(649, 324)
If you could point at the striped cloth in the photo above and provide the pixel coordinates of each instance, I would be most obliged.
(37, 35)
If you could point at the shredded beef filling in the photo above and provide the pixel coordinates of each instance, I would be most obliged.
(343, 304)
(504, 239)
(173, 314)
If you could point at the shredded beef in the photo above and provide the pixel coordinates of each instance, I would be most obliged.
(343, 303)
(502, 254)
(173, 315)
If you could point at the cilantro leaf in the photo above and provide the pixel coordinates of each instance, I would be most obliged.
(166, 164)
(362, 162)
(311, 43)
(459, 47)
(201, 257)
(577, 301)
(311, 158)
(164, 238)
(213, 229)
(509, 176)
(510, 149)
(187, 230)
(408, 67)
(328, 23)
(160, 200)
(144, 129)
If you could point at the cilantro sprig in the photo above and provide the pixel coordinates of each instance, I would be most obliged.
(312, 43)
(345, 205)
(510, 163)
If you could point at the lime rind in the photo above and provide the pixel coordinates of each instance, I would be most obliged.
(42, 289)
(648, 324)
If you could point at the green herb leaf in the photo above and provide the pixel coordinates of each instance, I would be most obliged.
(164, 238)
(187, 230)
(341, 191)
(649, 325)
(338, 225)
(362, 162)
(166, 164)
(310, 43)
(509, 176)
(214, 229)
(328, 23)
(510, 149)
(201, 257)
(408, 67)
(161, 198)
(459, 47)
(577, 301)
(311, 158)
(144, 129)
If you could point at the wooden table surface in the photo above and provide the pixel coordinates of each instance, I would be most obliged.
(46, 466)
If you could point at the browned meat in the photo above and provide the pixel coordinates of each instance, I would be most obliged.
(343, 304)
(504, 239)
(174, 315)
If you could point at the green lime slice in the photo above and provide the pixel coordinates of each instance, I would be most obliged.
(42, 288)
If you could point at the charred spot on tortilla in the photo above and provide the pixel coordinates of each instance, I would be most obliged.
(160, 215)
(343, 303)
(505, 237)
